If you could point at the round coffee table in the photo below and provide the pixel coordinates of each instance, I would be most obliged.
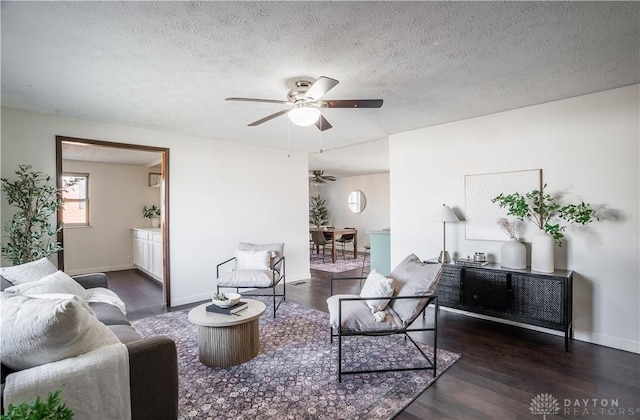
(228, 340)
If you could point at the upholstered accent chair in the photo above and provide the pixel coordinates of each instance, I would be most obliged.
(255, 266)
(387, 306)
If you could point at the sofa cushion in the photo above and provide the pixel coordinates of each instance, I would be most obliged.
(412, 277)
(58, 282)
(38, 331)
(108, 314)
(28, 272)
(377, 285)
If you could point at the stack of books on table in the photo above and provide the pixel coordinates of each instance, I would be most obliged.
(227, 311)
(468, 262)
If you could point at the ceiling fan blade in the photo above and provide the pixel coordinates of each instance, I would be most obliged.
(269, 101)
(322, 123)
(267, 118)
(320, 87)
(329, 177)
(354, 103)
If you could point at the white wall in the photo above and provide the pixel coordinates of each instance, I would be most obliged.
(220, 193)
(117, 194)
(376, 213)
(587, 148)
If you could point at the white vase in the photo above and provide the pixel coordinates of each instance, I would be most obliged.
(513, 254)
(155, 222)
(542, 248)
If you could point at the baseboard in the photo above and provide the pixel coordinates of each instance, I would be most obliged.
(592, 338)
(75, 272)
(607, 341)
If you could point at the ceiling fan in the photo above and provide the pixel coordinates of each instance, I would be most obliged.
(319, 178)
(306, 100)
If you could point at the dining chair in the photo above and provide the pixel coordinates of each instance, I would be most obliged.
(345, 239)
(320, 241)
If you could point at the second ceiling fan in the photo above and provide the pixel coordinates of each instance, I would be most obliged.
(306, 100)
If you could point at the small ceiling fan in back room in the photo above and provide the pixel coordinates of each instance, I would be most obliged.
(306, 100)
(319, 178)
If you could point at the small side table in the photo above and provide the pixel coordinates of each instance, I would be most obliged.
(228, 340)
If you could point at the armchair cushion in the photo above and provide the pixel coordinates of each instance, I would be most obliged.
(356, 316)
(58, 282)
(412, 277)
(278, 248)
(377, 285)
(250, 278)
(28, 272)
(253, 259)
(38, 331)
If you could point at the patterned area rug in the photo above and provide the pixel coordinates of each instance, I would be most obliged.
(295, 374)
(341, 264)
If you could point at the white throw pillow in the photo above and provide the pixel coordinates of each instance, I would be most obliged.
(377, 285)
(253, 260)
(57, 282)
(28, 272)
(38, 331)
(63, 296)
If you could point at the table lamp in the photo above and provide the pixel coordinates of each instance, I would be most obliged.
(444, 214)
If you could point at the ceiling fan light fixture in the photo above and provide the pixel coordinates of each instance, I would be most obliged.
(304, 115)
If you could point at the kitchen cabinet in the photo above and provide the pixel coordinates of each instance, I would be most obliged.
(147, 251)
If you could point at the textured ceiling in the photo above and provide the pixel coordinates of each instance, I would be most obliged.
(169, 65)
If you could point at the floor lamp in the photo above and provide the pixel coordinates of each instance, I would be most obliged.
(444, 214)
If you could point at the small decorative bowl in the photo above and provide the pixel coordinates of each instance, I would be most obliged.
(232, 299)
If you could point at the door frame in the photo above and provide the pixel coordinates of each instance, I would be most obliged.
(164, 222)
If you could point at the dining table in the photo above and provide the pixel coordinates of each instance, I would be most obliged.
(337, 233)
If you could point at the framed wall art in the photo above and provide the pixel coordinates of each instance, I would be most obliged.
(481, 214)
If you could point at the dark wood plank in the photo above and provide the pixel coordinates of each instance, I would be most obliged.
(502, 368)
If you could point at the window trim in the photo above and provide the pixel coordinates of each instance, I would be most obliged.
(78, 200)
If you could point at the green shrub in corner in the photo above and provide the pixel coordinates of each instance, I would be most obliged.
(51, 409)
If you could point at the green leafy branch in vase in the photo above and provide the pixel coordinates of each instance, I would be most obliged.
(543, 210)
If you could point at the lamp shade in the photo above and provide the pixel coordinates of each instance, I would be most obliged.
(304, 115)
(444, 214)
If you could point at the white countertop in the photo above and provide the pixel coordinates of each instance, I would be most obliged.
(152, 230)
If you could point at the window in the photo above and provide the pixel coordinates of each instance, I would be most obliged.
(76, 199)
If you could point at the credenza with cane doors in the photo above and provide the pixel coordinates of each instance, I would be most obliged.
(524, 296)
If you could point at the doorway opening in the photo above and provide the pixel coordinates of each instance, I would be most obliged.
(125, 186)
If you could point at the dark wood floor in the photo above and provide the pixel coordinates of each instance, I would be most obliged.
(502, 367)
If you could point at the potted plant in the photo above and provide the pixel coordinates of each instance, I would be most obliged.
(549, 216)
(152, 213)
(318, 214)
(30, 232)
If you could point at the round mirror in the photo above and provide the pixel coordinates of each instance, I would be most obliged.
(357, 201)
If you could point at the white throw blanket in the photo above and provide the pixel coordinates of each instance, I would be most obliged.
(94, 385)
(102, 295)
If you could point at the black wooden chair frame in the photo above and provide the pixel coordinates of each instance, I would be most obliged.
(274, 283)
(431, 298)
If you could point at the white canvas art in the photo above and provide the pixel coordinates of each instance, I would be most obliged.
(481, 214)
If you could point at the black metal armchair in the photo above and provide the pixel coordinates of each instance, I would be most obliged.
(249, 273)
(414, 286)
